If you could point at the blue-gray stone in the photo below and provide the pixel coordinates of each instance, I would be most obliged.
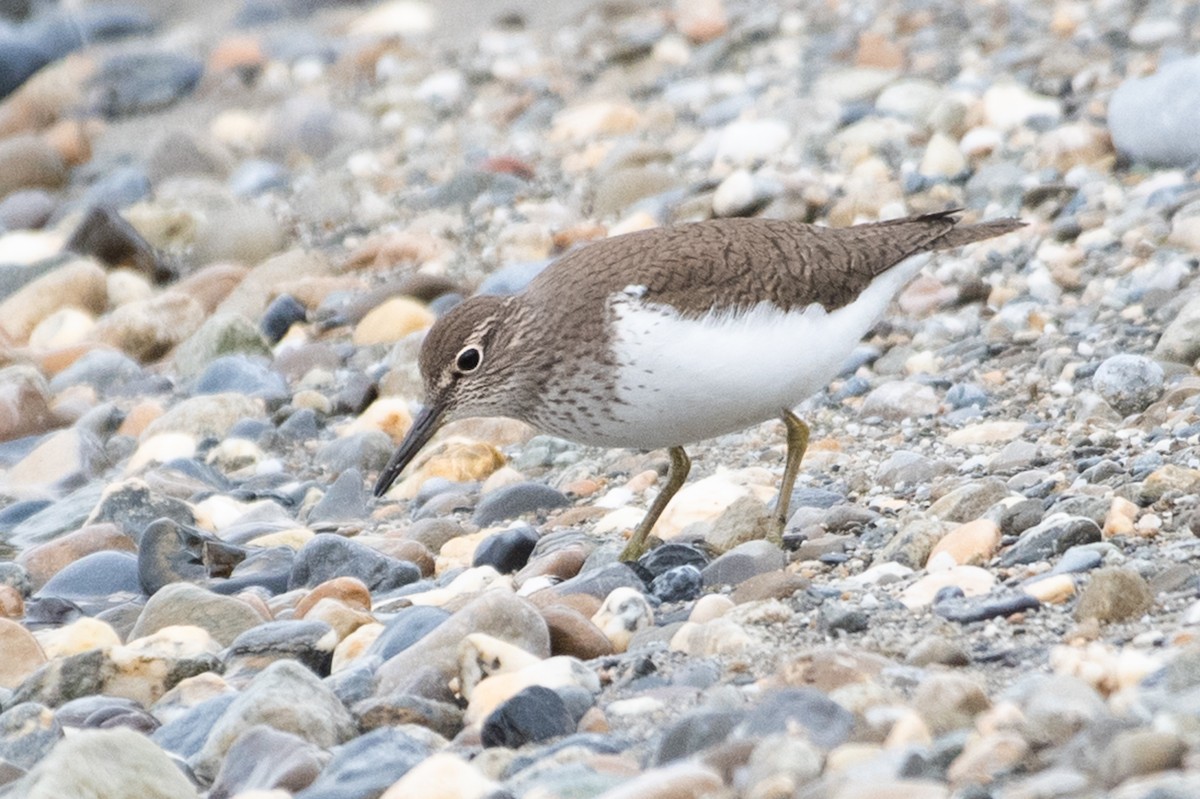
(65, 515)
(185, 734)
(1053, 536)
(965, 610)
(966, 395)
(515, 500)
(1154, 119)
(301, 425)
(694, 732)
(105, 370)
(326, 556)
(257, 176)
(305, 641)
(512, 278)
(345, 501)
(242, 375)
(670, 555)
(120, 188)
(827, 723)
(99, 574)
(27, 732)
(134, 83)
(406, 628)
(367, 451)
(367, 765)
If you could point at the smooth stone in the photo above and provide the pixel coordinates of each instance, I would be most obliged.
(972, 543)
(225, 618)
(345, 501)
(623, 613)
(367, 765)
(1133, 753)
(949, 701)
(507, 551)
(100, 574)
(1129, 383)
(169, 552)
(1053, 536)
(746, 519)
(106, 712)
(263, 758)
(28, 161)
(533, 715)
(1169, 478)
(516, 500)
(28, 732)
(66, 458)
(283, 312)
(134, 768)
(391, 321)
(1114, 595)
(904, 467)
(1152, 118)
(243, 375)
(970, 500)
(45, 560)
(1055, 707)
(105, 370)
(257, 176)
(406, 628)
(601, 582)
(435, 661)
(79, 284)
(679, 584)
(287, 697)
(135, 83)
(445, 775)
(146, 330)
(185, 734)
(396, 709)
(118, 188)
(367, 451)
(241, 233)
(132, 505)
(965, 610)
(1180, 341)
(26, 209)
(768, 585)
(827, 723)
(224, 335)
(573, 633)
(695, 732)
(24, 403)
(327, 556)
(308, 642)
(743, 562)
(108, 237)
(899, 400)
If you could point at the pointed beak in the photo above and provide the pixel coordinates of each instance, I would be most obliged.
(424, 426)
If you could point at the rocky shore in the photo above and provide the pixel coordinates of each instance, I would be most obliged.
(225, 227)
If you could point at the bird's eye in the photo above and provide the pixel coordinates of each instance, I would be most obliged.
(468, 360)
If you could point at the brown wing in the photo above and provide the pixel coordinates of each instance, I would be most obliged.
(736, 263)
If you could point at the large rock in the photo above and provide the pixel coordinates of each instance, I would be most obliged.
(1154, 119)
(106, 764)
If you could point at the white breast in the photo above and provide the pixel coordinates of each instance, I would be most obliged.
(684, 380)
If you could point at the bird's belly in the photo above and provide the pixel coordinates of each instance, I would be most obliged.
(683, 380)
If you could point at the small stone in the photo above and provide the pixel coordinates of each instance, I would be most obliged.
(263, 758)
(972, 543)
(508, 551)
(1053, 536)
(949, 701)
(308, 642)
(95, 576)
(679, 584)
(624, 612)
(223, 617)
(743, 562)
(22, 654)
(969, 501)
(995, 432)
(747, 518)
(516, 500)
(147, 329)
(327, 556)
(1114, 595)
(78, 284)
(535, 714)
(971, 580)
(572, 633)
(1150, 117)
(391, 321)
(898, 400)
(440, 776)
(1167, 479)
(1129, 383)
(287, 697)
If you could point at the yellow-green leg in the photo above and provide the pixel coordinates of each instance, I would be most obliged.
(797, 443)
(677, 472)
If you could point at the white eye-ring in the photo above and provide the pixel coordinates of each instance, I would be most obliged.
(468, 359)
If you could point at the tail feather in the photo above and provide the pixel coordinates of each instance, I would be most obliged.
(959, 235)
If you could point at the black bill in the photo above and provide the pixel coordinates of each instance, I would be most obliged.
(424, 426)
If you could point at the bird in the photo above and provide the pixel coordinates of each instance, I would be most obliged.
(665, 337)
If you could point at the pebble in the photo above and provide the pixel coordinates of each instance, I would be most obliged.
(1114, 595)
(1129, 383)
(1167, 94)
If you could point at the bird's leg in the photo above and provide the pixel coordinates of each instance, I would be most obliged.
(677, 472)
(797, 443)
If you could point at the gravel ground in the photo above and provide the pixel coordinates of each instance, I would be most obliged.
(225, 228)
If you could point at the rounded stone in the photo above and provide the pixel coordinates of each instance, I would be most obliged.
(534, 714)
(1129, 383)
